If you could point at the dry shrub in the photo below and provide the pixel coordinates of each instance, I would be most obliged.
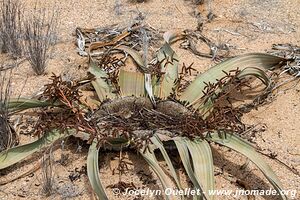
(40, 35)
(47, 173)
(11, 12)
(7, 135)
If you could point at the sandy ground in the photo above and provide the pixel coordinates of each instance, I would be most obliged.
(247, 25)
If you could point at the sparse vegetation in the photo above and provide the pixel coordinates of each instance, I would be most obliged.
(40, 35)
(143, 115)
(31, 36)
(138, 95)
(47, 173)
(11, 12)
(7, 134)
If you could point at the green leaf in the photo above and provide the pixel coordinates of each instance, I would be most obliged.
(131, 83)
(16, 154)
(207, 107)
(134, 54)
(20, 104)
(256, 72)
(158, 143)
(103, 89)
(149, 156)
(169, 67)
(140, 62)
(241, 146)
(201, 155)
(116, 144)
(186, 161)
(193, 93)
(93, 171)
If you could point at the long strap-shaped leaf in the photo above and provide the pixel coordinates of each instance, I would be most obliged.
(169, 66)
(93, 171)
(157, 142)
(134, 54)
(131, 83)
(20, 104)
(194, 91)
(241, 146)
(163, 177)
(139, 61)
(103, 89)
(186, 161)
(256, 72)
(206, 106)
(149, 88)
(16, 154)
(203, 164)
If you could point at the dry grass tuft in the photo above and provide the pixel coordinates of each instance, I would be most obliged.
(40, 35)
(47, 174)
(11, 12)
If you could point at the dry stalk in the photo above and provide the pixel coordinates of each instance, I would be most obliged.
(47, 173)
